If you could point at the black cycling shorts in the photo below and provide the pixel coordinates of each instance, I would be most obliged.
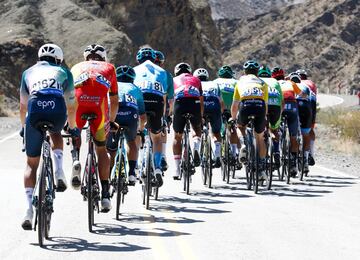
(305, 115)
(274, 116)
(128, 118)
(154, 108)
(292, 117)
(252, 107)
(183, 106)
(215, 121)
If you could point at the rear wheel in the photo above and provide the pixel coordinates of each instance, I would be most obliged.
(255, 168)
(270, 165)
(203, 155)
(120, 183)
(148, 181)
(50, 194)
(301, 161)
(209, 162)
(41, 206)
(89, 188)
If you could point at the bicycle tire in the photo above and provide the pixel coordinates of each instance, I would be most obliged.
(120, 184)
(271, 165)
(223, 159)
(249, 166)
(203, 156)
(227, 159)
(288, 161)
(210, 161)
(89, 191)
(51, 191)
(302, 160)
(188, 167)
(148, 180)
(256, 167)
(41, 206)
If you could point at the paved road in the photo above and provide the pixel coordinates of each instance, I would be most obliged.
(314, 219)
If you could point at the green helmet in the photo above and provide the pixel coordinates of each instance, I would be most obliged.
(225, 72)
(264, 71)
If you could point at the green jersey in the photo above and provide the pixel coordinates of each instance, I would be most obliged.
(275, 93)
(227, 87)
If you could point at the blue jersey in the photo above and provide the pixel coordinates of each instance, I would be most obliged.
(212, 96)
(151, 79)
(128, 90)
(47, 79)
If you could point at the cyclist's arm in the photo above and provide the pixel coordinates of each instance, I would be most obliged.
(70, 100)
(235, 103)
(171, 105)
(113, 96)
(24, 96)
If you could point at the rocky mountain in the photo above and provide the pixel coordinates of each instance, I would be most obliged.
(322, 36)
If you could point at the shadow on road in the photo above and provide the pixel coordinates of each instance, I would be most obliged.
(139, 218)
(186, 209)
(71, 244)
(120, 230)
(172, 199)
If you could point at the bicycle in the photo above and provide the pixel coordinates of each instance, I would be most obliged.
(206, 154)
(228, 162)
(119, 173)
(45, 186)
(90, 188)
(187, 167)
(147, 168)
(301, 155)
(285, 150)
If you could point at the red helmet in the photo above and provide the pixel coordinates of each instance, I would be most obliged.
(277, 72)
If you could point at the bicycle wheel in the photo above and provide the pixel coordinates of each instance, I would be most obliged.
(89, 190)
(270, 165)
(223, 160)
(50, 195)
(148, 180)
(203, 155)
(41, 214)
(288, 160)
(256, 164)
(227, 160)
(301, 161)
(249, 165)
(188, 172)
(209, 161)
(120, 183)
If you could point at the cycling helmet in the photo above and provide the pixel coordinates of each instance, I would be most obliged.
(125, 72)
(202, 74)
(95, 49)
(160, 57)
(51, 50)
(302, 73)
(225, 72)
(251, 67)
(295, 77)
(182, 67)
(264, 71)
(277, 72)
(145, 54)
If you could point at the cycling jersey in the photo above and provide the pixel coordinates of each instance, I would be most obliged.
(275, 92)
(187, 86)
(44, 89)
(152, 79)
(227, 88)
(94, 80)
(290, 90)
(212, 105)
(311, 85)
(135, 92)
(306, 93)
(251, 87)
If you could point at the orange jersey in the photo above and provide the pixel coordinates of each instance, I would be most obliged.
(290, 90)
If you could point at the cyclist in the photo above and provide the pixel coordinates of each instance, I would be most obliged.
(313, 88)
(46, 94)
(290, 90)
(250, 99)
(152, 80)
(188, 99)
(226, 82)
(160, 59)
(131, 107)
(305, 114)
(95, 79)
(275, 107)
(212, 109)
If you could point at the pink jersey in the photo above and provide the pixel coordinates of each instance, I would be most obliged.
(311, 85)
(186, 85)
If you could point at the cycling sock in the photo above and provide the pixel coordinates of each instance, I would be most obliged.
(196, 143)
(164, 149)
(312, 142)
(217, 149)
(29, 194)
(177, 159)
(104, 186)
(234, 149)
(157, 160)
(58, 159)
(306, 153)
(132, 166)
(276, 146)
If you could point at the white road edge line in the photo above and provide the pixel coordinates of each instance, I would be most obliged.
(9, 137)
(336, 172)
(340, 100)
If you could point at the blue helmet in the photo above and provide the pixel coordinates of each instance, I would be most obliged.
(125, 71)
(145, 54)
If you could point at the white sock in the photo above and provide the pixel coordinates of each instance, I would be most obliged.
(29, 194)
(58, 159)
(217, 149)
(177, 159)
(312, 142)
(306, 153)
(164, 149)
(196, 143)
(234, 149)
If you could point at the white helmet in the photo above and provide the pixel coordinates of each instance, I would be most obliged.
(201, 73)
(95, 49)
(51, 50)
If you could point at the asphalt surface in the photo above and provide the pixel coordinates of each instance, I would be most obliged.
(314, 219)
